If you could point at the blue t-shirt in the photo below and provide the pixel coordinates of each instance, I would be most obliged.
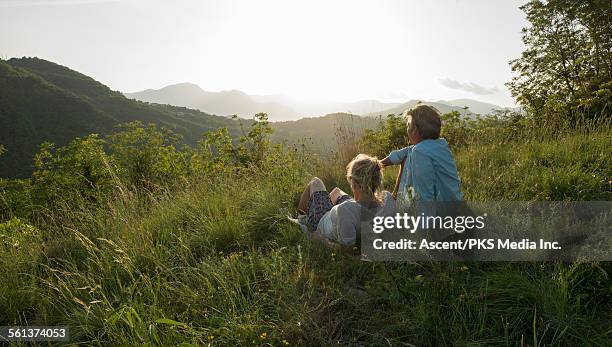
(430, 172)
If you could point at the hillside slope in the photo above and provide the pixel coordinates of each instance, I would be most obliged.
(43, 101)
(320, 133)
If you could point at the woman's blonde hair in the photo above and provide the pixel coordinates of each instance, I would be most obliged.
(366, 175)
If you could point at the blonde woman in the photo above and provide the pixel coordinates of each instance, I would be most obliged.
(337, 217)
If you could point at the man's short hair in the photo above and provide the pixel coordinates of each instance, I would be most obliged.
(426, 119)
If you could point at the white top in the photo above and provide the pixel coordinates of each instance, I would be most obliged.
(342, 223)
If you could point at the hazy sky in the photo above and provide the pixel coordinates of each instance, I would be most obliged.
(332, 50)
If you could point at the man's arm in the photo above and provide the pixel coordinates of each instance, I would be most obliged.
(385, 162)
(395, 157)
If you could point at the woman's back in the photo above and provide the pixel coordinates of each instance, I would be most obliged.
(346, 220)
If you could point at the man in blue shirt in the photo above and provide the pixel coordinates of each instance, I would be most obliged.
(428, 171)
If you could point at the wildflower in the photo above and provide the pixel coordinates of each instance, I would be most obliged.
(464, 268)
(285, 342)
(211, 337)
(263, 336)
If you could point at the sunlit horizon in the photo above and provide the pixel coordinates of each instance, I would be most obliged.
(391, 51)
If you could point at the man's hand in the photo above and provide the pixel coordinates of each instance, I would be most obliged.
(385, 162)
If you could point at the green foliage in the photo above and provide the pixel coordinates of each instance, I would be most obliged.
(15, 198)
(502, 127)
(148, 157)
(566, 70)
(389, 134)
(572, 166)
(20, 252)
(80, 169)
(218, 152)
(460, 131)
(16, 234)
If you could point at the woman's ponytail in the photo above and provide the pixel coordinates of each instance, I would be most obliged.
(366, 174)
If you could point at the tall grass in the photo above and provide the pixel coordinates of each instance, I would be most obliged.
(213, 261)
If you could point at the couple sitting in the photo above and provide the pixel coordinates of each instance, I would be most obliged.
(428, 173)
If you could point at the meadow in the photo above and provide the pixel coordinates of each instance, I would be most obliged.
(132, 239)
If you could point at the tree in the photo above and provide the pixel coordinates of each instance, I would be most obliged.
(568, 58)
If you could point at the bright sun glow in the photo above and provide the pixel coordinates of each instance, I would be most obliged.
(313, 50)
(333, 50)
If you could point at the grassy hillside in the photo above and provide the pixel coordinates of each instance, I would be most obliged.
(207, 257)
(42, 101)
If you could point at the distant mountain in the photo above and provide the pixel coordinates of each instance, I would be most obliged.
(278, 107)
(224, 103)
(283, 108)
(442, 107)
(182, 94)
(43, 101)
(318, 108)
(474, 107)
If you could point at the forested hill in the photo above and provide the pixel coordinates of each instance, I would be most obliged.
(43, 101)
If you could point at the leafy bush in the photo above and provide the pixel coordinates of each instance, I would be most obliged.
(81, 169)
(390, 134)
(148, 157)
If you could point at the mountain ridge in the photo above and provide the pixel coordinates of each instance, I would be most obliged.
(282, 108)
